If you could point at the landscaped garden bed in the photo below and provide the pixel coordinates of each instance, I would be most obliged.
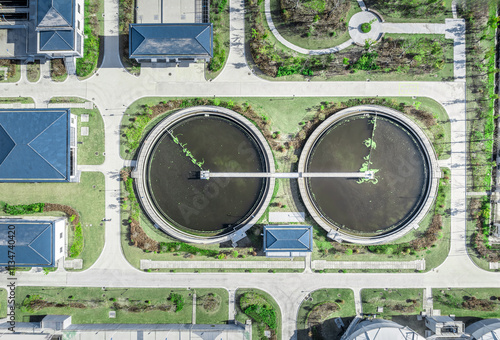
(58, 70)
(317, 313)
(313, 24)
(86, 65)
(412, 11)
(392, 302)
(10, 71)
(33, 71)
(212, 306)
(396, 57)
(126, 17)
(481, 96)
(479, 302)
(92, 305)
(219, 17)
(261, 308)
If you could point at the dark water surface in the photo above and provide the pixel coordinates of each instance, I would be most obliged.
(212, 205)
(368, 208)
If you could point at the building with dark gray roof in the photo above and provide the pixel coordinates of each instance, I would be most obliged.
(38, 145)
(38, 242)
(171, 42)
(42, 29)
(287, 240)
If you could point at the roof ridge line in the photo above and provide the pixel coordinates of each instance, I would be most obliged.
(59, 14)
(67, 43)
(207, 27)
(12, 139)
(29, 245)
(28, 144)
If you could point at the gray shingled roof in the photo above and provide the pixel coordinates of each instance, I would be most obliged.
(170, 40)
(55, 13)
(57, 40)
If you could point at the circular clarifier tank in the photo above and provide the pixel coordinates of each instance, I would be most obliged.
(368, 210)
(191, 141)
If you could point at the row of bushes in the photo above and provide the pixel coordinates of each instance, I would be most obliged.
(87, 64)
(77, 246)
(23, 209)
(180, 246)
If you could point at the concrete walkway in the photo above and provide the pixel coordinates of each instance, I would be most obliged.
(455, 29)
(394, 265)
(222, 264)
(412, 28)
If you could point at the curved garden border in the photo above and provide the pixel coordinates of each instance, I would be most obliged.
(141, 180)
(336, 233)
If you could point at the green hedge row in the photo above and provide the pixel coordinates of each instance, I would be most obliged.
(179, 246)
(77, 246)
(24, 209)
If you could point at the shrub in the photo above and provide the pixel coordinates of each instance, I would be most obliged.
(77, 246)
(164, 246)
(24, 209)
(366, 27)
(177, 300)
(366, 62)
(262, 313)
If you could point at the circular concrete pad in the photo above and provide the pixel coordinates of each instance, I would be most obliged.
(357, 35)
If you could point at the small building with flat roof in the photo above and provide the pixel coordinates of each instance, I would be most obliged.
(38, 145)
(287, 240)
(38, 242)
(171, 42)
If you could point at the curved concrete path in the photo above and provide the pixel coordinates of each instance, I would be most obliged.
(296, 48)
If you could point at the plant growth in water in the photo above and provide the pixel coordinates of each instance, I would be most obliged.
(186, 151)
(369, 143)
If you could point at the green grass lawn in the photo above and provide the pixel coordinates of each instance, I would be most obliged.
(87, 197)
(393, 301)
(91, 151)
(454, 301)
(97, 304)
(344, 298)
(391, 14)
(312, 43)
(3, 303)
(15, 76)
(219, 314)
(33, 71)
(242, 317)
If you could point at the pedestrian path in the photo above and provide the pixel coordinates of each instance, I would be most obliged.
(149, 264)
(413, 28)
(411, 265)
(455, 29)
(296, 48)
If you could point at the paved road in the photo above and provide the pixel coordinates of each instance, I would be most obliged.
(112, 89)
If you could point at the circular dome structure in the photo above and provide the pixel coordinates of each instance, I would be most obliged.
(379, 329)
(169, 166)
(487, 329)
(362, 210)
